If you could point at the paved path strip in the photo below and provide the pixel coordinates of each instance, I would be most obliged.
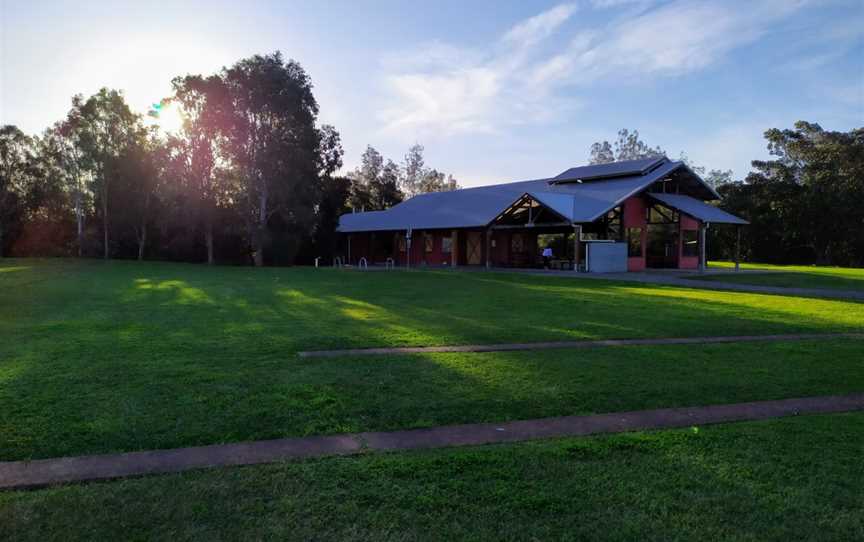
(47, 472)
(506, 347)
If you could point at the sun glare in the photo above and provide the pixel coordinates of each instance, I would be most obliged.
(167, 117)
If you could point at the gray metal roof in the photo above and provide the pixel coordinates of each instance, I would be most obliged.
(477, 207)
(698, 209)
(613, 169)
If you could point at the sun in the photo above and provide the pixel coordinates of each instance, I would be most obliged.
(167, 117)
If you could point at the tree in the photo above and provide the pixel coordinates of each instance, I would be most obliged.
(804, 205)
(414, 169)
(628, 146)
(67, 136)
(269, 125)
(139, 172)
(385, 189)
(375, 185)
(203, 103)
(602, 153)
(16, 176)
(107, 126)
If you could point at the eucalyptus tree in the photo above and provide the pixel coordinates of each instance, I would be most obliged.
(271, 138)
(202, 102)
(107, 127)
(16, 175)
(140, 172)
(66, 140)
(628, 146)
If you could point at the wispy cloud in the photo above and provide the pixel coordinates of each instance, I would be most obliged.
(532, 30)
(520, 78)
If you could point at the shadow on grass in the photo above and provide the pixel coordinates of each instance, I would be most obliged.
(133, 357)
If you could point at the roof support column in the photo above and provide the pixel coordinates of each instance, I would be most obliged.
(703, 262)
(577, 234)
(737, 248)
(408, 248)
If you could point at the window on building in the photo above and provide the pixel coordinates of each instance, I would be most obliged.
(516, 244)
(447, 244)
(634, 242)
(428, 242)
(690, 243)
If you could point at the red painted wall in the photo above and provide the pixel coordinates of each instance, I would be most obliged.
(634, 217)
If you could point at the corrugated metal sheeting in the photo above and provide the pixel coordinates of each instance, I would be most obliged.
(578, 202)
(698, 209)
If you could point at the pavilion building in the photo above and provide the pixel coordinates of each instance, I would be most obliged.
(621, 216)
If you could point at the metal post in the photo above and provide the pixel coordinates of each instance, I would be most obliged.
(737, 248)
(349, 249)
(703, 263)
(577, 233)
(408, 249)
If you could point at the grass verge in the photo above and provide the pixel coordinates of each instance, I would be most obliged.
(794, 478)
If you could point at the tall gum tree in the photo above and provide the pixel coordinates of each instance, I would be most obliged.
(107, 128)
(272, 139)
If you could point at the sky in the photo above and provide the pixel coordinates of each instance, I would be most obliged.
(495, 91)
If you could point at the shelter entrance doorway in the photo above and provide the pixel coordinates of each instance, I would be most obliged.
(473, 248)
(662, 249)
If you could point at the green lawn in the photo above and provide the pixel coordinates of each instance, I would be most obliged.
(790, 479)
(791, 276)
(124, 356)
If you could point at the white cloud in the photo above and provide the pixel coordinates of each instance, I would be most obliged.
(539, 27)
(520, 78)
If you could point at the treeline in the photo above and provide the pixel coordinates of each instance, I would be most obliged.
(805, 205)
(250, 177)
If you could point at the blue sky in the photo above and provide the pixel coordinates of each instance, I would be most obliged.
(495, 91)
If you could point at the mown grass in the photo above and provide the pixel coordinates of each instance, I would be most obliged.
(788, 479)
(99, 357)
(791, 276)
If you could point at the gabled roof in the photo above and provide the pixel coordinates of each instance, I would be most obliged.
(698, 209)
(606, 171)
(578, 202)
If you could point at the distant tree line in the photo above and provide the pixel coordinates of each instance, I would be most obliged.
(805, 205)
(250, 177)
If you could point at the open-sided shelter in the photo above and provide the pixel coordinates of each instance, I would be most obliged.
(622, 216)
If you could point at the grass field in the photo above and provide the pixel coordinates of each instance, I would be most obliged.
(125, 356)
(790, 479)
(101, 357)
(791, 276)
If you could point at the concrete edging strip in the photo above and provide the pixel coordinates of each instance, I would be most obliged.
(507, 347)
(47, 472)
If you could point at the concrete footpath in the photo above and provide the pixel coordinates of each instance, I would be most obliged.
(47, 472)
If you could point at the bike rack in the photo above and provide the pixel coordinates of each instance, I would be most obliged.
(316, 261)
(337, 262)
(363, 264)
(390, 264)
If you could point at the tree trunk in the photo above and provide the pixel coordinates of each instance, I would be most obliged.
(208, 239)
(79, 218)
(142, 241)
(105, 220)
(261, 228)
